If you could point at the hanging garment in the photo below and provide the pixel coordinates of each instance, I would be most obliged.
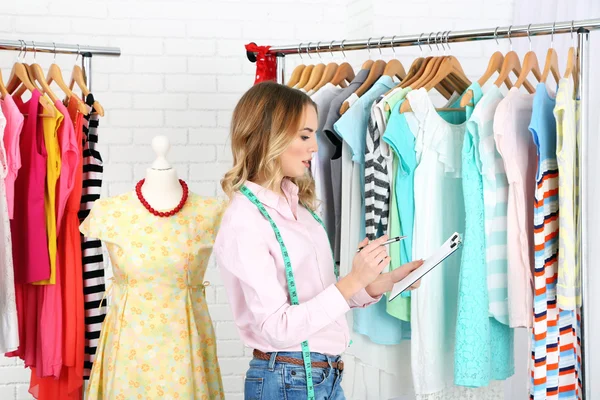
(515, 145)
(93, 260)
(53, 161)
(568, 290)
(377, 175)
(439, 211)
(379, 327)
(69, 385)
(28, 227)
(49, 308)
(9, 328)
(69, 156)
(399, 137)
(484, 347)
(495, 195)
(352, 127)
(12, 133)
(157, 339)
(336, 160)
(553, 327)
(323, 182)
(567, 153)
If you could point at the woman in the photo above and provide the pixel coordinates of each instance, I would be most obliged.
(275, 258)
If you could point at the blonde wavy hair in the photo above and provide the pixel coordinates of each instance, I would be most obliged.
(265, 121)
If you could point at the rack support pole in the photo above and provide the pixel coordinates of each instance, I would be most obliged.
(583, 54)
(281, 69)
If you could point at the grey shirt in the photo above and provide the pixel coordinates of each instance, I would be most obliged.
(334, 111)
(336, 161)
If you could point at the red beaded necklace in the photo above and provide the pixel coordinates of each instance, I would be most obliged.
(138, 191)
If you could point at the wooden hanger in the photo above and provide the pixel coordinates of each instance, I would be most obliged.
(494, 65)
(344, 74)
(511, 64)
(3, 91)
(328, 75)
(530, 64)
(78, 77)
(305, 77)
(450, 65)
(37, 76)
(394, 68)
(315, 77)
(20, 76)
(55, 75)
(367, 64)
(412, 71)
(295, 78)
(375, 73)
(551, 65)
(446, 88)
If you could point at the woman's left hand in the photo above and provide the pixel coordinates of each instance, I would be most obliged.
(385, 281)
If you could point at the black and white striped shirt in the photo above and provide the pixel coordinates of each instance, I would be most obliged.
(377, 184)
(93, 262)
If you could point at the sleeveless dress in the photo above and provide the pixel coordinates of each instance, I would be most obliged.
(157, 340)
(28, 228)
(69, 385)
(484, 346)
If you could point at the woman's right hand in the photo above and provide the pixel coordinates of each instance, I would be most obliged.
(366, 267)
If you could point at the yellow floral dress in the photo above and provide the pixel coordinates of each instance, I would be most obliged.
(157, 340)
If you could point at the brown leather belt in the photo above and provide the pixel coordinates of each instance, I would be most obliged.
(339, 365)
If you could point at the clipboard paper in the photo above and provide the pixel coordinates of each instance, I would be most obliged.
(445, 251)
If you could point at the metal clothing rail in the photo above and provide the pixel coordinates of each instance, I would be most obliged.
(582, 29)
(59, 48)
(85, 51)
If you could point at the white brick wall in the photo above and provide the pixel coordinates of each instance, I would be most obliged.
(182, 70)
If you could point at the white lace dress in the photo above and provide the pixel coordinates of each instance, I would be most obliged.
(9, 333)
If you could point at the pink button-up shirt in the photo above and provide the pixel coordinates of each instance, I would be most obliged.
(251, 264)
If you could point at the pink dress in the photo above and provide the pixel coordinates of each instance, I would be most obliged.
(28, 228)
(12, 132)
(69, 155)
(31, 258)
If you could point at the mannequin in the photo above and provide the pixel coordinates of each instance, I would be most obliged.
(159, 238)
(162, 189)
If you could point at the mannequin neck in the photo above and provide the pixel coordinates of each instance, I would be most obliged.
(162, 189)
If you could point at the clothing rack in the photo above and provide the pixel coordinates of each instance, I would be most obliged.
(582, 29)
(86, 52)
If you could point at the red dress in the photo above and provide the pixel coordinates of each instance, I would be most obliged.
(70, 384)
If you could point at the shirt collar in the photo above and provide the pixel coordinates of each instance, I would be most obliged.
(287, 206)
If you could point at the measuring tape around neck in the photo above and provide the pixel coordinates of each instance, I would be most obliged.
(291, 282)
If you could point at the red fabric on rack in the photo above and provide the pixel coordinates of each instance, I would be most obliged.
(266, 63)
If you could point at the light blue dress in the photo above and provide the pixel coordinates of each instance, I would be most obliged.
(484, 346)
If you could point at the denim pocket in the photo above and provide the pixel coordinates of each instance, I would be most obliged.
(253, 388)
(295, 376)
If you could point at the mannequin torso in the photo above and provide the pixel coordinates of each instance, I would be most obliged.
(161, 188)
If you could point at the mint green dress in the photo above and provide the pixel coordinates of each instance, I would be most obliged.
(484, 346)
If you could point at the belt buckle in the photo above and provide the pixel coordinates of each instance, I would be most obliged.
(340, 365)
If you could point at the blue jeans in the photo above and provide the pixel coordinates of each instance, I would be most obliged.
(270, 380)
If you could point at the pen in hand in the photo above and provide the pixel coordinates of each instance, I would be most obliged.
(392, 240)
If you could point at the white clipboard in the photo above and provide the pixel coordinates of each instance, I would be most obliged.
(446, 250)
